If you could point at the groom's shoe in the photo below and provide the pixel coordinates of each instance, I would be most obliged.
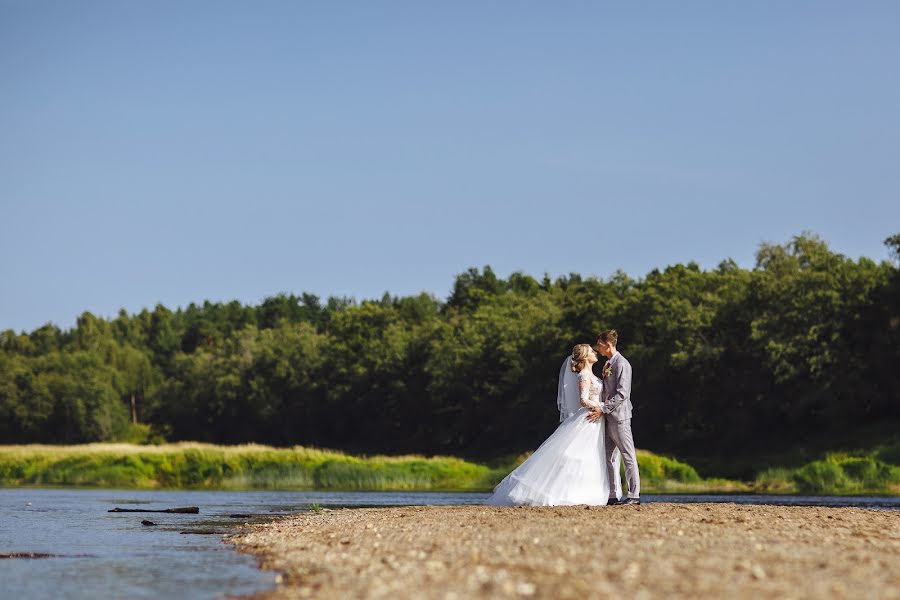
(613, 502)
(634, 501)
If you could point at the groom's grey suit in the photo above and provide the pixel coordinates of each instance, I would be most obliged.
(616, 396)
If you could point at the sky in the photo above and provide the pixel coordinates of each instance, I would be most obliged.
(176, 152)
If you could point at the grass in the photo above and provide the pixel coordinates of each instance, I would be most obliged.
(190, 465)
(837, 474)
(206, 466)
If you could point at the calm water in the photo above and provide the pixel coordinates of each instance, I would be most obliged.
(111, 555)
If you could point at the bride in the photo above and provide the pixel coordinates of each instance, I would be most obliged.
(570, 466)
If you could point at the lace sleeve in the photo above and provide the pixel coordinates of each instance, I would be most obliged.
(584, 387)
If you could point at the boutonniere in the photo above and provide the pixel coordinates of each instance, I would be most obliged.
(607, 370)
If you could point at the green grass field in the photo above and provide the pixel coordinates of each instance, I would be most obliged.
(191, 465)
(206, 466)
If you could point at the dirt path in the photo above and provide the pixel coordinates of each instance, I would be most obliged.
(652, 551)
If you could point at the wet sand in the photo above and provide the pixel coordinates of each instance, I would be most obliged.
(651, 551)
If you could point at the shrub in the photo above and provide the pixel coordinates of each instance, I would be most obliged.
(821, 477)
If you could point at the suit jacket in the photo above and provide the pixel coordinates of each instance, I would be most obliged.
(616, 392)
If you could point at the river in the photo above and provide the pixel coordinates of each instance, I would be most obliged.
(112, 555)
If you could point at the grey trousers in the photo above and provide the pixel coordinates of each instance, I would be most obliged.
(618, 435)
(617, 460)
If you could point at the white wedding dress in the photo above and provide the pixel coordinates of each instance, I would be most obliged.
(570, 466)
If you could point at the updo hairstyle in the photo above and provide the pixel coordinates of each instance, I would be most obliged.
(580, 355)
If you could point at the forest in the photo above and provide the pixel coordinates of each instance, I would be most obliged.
(735, 369)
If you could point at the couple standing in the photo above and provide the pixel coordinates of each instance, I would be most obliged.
(579, 462)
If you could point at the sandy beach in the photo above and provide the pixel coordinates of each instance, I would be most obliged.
(651, 551)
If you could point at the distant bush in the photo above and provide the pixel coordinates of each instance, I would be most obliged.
(821, 477)
(655, 468)
(843, 474)
(866, 470)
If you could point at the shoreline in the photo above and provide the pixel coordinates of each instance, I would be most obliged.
(657, 550)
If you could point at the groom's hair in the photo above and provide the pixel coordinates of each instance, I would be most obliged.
(609, 337)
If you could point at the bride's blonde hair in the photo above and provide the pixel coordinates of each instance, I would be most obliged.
(580, 355)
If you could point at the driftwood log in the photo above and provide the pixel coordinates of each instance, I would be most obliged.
(43, 555)
(190, 510)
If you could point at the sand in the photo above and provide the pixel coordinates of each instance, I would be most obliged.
(650, 551)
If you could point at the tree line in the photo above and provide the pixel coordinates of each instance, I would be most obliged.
(726, 361)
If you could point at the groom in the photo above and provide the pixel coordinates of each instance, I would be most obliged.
(616, 405)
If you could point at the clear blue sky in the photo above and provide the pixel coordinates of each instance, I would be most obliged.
(181, 151)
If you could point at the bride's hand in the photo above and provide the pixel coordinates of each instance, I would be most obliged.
(595, 416)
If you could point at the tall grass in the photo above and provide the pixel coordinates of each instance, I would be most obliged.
(206, 466)
(843, 474)
(194, 465)
(836, 474)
